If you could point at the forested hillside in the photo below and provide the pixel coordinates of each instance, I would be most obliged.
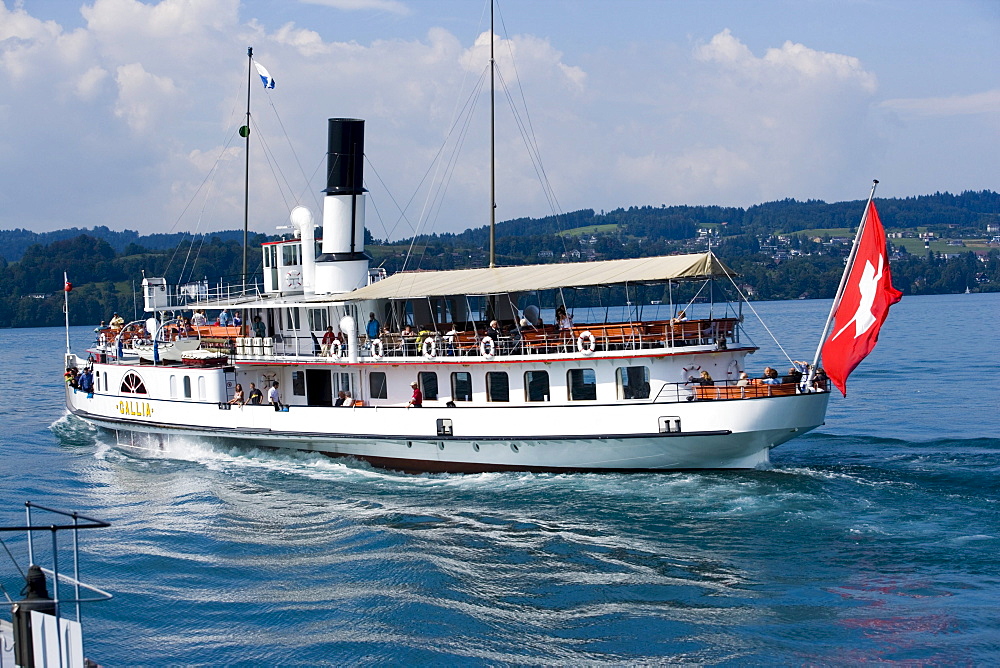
(940, 243)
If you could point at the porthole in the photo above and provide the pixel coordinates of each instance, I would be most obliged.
(475, 446)
(440, 445)
(409, 444)
(514, 448)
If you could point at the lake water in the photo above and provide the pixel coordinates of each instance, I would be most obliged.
(873, 539)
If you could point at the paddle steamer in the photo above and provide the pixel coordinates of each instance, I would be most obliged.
(617, 393)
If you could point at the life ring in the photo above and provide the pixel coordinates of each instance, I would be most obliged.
(429, 347)
(335, 349)
(487, 348)
(376, 348)
(586, 343)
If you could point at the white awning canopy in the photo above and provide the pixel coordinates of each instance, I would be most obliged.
(505, 280)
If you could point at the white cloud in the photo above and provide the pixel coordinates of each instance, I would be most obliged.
(391, 6)
(88, 84)
(522, 56)
(142, 96)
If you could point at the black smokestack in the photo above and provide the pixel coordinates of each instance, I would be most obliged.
(345, 157)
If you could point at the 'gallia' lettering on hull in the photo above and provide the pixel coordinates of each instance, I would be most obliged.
(136, 408)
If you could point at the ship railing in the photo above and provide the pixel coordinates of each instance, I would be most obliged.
(57, 645)
(590, 338)
(724, 390)
(188, 295)
(717, 333)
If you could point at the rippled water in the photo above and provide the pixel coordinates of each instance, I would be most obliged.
(873, 539)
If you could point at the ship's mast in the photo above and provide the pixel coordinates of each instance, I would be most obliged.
(245, 131)
(493, 188)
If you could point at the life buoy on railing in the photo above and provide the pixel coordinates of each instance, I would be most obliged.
(487, 348)
(429, 347)
(586, 343)
(376, 348)
(335, 349)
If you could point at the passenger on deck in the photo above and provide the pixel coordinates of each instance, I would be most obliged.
(237, 320)
(70, 376)
(680, 317)
(493, 331)
(417, 400)
(117, 322)
(706, 379)
(341, 397)
(409, 339)
(100, 328)
(449, 340)
(259, 330)
(564, 322)
(372, 327)
(199, 319)
(770, 377)
(819, 379)
(255, 397)
(328, 338)
(86, 381)
(794, 376)
(425, 331)
(744, 379)
(238, 399)
(224, 318)
(274, 397)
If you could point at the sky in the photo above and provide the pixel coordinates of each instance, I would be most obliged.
(126, 114)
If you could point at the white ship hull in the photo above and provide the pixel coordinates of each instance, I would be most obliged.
(714, 434)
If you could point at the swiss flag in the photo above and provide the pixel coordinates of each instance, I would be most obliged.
(868, 294)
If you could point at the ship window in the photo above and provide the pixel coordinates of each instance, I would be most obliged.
(582, 384)
(633, 382)
(299, 383)
(318, 319)
(536, 385)
(376, 385)
(342, 382)
(293, 318)
(497, 386)
(291, 254)
(461, 386)
(132, 384)
(428, 384)
(187, 387)
(202, 393)
(173, 387)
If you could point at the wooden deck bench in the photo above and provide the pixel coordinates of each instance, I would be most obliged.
(752, 391)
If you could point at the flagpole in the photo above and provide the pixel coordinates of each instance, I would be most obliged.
(840, 289)
(246, 176)
(66, 308)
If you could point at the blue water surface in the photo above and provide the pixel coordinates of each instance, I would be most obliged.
(873, 539)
